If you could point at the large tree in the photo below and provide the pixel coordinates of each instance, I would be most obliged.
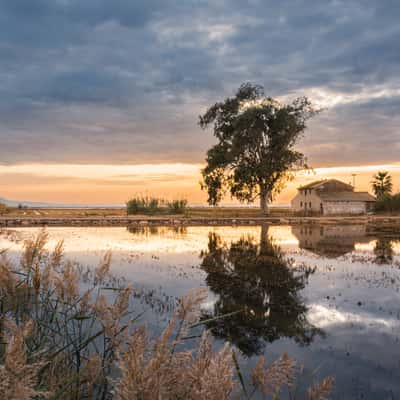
(382, 184)
(255, 154)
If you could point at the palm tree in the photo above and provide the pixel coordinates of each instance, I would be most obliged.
(382, 184)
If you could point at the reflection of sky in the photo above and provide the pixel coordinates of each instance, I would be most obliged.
(164, 240)
(355, 301)
(370, 246)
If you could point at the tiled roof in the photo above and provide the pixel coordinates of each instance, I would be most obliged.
(346, 196)
(313, 184)
(317, 184)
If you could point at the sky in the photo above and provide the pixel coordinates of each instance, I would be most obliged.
(99, 99)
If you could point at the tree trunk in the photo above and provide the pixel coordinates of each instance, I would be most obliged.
(264, 237)
(264, 202)
(266, 247)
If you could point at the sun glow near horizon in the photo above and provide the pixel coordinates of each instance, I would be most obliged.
(115, 183)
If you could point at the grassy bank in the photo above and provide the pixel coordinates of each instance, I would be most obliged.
(190, 212)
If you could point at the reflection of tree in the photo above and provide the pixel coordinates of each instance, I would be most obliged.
(257, 279)
(383, 251)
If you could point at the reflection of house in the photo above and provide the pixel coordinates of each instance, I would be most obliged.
(331, 197)
(331, 240)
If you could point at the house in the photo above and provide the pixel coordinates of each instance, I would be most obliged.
(331, 196)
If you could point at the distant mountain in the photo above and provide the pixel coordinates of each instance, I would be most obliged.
(34, 204)
(14, 203)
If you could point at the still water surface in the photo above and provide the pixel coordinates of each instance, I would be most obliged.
(329, 296)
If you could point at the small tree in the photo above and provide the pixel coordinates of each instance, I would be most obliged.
(382, 184)
(255, 155)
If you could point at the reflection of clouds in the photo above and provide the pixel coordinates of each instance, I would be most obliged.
(325, 317)
(116, 239)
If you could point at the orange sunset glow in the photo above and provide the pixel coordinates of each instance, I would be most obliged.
(114, 184)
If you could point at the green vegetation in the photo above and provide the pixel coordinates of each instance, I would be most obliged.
(152, 206)
(382, 184)
(64, 340)
(255, 154)
(143, 205)
(388, 203)
(177, 206)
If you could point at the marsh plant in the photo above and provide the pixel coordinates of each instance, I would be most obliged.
(152, 205)
(64, 340)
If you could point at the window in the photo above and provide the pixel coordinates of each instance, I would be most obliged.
(310, 204)
(301, 204)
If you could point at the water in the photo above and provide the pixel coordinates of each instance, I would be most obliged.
(329, 296)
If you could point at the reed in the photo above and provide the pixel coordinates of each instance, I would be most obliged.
(152, 206)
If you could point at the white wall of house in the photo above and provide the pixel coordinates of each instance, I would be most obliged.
(307, 200)
(344, 207)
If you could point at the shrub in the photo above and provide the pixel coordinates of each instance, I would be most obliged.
(64, 342)
(143, 205)
(388, 203)
(153, 205)
(177, 206)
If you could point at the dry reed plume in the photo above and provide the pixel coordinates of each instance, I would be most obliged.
(18, 378)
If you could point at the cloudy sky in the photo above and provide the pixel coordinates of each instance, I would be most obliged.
(99, 99)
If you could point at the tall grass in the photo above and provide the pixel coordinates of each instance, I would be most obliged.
(177, 206)
(143, 205)
(61, 341)
(388, 203)
(152, 206)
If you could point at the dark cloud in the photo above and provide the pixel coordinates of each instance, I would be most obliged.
(124, 81)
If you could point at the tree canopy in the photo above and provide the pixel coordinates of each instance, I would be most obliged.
(255, 154)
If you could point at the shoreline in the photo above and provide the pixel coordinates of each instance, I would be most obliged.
(195, 221)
